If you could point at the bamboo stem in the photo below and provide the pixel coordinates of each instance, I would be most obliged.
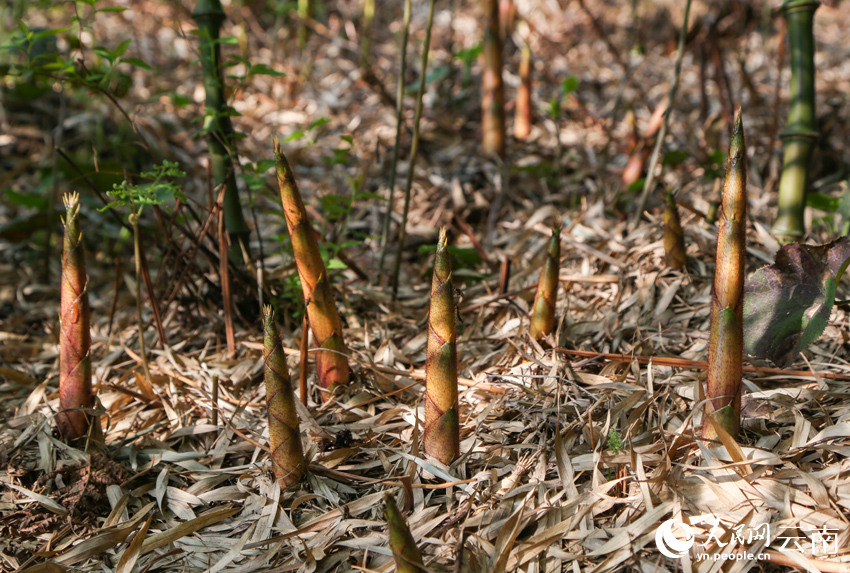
(209, 15)
(800, 131)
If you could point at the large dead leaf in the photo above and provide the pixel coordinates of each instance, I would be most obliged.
(787, 304)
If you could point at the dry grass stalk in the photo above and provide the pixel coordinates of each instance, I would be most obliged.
(75, 391)
(284, 435)
(331, 362)
(726, 343)
(442, 425)
(543, 311)
(674, 236)
(407, 557)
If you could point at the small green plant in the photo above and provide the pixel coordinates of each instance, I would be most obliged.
(136, 198)
(615, 441)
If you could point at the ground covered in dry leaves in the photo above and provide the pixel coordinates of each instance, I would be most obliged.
(570, 461)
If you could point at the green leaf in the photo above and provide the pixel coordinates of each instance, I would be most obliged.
(787, 304)
(822, 201)
(111, 9)
(264, 70)
(31, 200)
(137, 62)
(569, 85)
(318, 123)
(47, 33)
(675, 157)
(122, 48)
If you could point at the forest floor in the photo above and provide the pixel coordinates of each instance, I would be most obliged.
(570, 459)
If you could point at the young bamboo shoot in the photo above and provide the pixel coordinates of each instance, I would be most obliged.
(726, 341)
(442, 425)
(284, 436)
(75, 390)
(407, 557)
(543, 311)
(331, 361)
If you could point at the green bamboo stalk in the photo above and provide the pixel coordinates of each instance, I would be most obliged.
(674, 236)
(800, 131)
(331, 362)
(287, 454)
(399, 119)
(492, 90)
(305, 12)
(407, 557)
(522, 116)
(75, 390)
(726, 342)
(543, 311)
(368, 14)
(414, 148)
(442, 424)
(209, 15)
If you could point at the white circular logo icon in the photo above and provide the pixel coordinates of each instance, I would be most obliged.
(669, 544)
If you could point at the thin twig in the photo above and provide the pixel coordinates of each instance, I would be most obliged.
(662, 133)
(414, 149)
(399, 123)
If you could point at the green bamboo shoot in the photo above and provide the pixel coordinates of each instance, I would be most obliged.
(407, 557)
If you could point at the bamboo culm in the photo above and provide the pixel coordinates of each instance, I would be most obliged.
(800, 132)
(209, 15)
